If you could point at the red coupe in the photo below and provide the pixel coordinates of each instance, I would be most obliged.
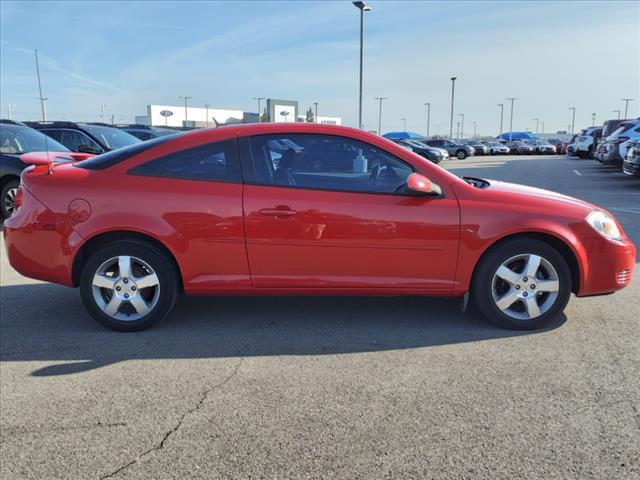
(299, 209)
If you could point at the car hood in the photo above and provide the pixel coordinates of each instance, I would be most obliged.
(530, 195)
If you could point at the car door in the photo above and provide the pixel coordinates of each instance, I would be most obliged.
(326, 214)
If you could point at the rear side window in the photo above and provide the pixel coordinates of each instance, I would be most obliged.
(114, 157)
(214, 162)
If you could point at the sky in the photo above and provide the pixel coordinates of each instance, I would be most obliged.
(550, 55)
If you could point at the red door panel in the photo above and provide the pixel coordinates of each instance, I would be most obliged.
(312, 238)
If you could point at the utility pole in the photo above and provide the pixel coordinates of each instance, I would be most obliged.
(186, 99)
(626, 105)
(511, 99)
(453, 90)
(363, 7)
(573, 118)
(41, 98)
(537, 123)
(593, 119)
(618, 112)
(206, 110)
(380, 99)
(501, 105)
(428, 104)
(10, 108)
(102, 105)
(315, 104)
(259, 99)
(542, 128)
(461, 125)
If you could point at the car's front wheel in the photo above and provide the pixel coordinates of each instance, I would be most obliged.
(461, 154)
(522, 284)
(129, 285)
(8, 198)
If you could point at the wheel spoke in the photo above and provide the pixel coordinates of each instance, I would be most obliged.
(124, 266)
(548, 285)
(139, 304)
(531, 268)
(147, 281)
(508, 275)
(113, 306)
(532, 307)
(507, 300)
(102, 281)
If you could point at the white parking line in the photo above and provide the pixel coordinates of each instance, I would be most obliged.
(628, 210)
(577, 173)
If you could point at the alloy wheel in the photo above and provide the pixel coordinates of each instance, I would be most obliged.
(525, 286)
(126, 288)
(10, 201)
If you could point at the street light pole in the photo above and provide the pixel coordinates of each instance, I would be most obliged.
(537, 123)
(573, 118)
(511, 99)
(363, 7)
(315, 104)
(453, 90)
(41, 98)
(542, 128)
(185, 108)
(10, 108)
(259, 111)
(102, 105)
(501, 105)
(428, 104)
(206, 113)
(593, 119)
(626, 105)
(457, 130)
(461, 125)
(380, 99)
(404, 124)
(475, 125)
(618, 112)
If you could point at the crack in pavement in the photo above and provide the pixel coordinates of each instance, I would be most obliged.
(177, 426)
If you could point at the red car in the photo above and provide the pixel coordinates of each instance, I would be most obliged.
(290, 209)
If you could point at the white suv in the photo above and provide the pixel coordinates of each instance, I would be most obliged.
(586, 141)
(617, 144)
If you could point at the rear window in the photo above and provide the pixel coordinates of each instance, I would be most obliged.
(114, 157)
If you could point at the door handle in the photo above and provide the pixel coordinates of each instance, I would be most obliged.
(278, 212)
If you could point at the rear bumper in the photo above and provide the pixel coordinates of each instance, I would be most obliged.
(631, 168)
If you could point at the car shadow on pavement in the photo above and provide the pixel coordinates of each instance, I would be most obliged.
(45, 322)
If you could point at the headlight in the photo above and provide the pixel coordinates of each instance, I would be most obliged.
(604, 225)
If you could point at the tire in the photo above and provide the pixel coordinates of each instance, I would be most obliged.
(461, 154)
(491, 152)
(158, 300)
(7, 197)
(488, 288)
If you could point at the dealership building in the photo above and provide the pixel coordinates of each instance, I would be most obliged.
(279, 111)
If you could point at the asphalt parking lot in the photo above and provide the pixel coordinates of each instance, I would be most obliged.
(329, 387)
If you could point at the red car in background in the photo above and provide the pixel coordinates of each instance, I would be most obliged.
(290, 209)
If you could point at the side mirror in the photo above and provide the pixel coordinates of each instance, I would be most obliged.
(421, 185)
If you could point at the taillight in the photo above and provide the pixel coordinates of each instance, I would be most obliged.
(17, 201)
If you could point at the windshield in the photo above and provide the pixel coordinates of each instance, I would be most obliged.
(111, 138)
(16, 139)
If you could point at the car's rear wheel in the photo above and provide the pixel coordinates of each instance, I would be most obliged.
(522, 284)
(461, 154)
(129, 285)
(8, 198)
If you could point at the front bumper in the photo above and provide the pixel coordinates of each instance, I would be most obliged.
(631, 167)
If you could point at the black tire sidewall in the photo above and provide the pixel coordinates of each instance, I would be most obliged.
(461, 154)
(482, 282)
(163, 268)
(5, 189)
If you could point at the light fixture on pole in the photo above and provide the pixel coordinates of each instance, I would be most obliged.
(501, 105)
(428, 104)
(453, 91)
(259, 99)
(380, 99)
(102, 105)
(573, 118)
(461, 125)
(537, 123)
(186, 99)
(315, 104)
(511, 99)
(626, 105)
(363, 7)
(618, 112)
(404, 124)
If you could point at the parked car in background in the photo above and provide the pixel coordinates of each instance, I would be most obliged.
(455, 149)
(614, 149)
(602, 147)
(93, 138)
(571, 146)
(430, 153)
(497, 148)
(518, 147)
(631, 163)
(213, 215)
(541, 146)
(561, 146)
(586, 142)
(16, 139)
(479, 147)
(143, 132)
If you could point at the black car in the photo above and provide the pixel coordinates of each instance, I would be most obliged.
(421, 149)
(17, 139)
(145, 132)
(93, 138)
